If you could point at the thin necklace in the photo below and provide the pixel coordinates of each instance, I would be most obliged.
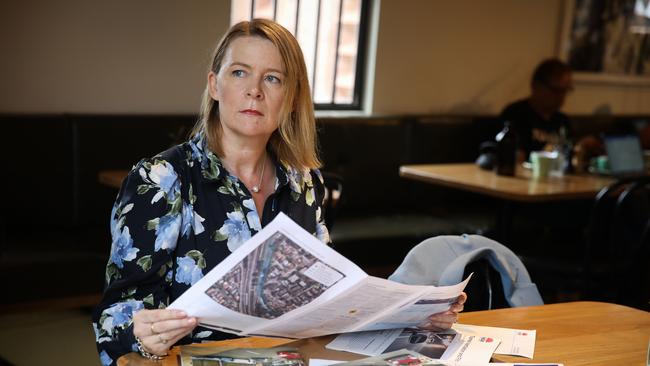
(256, 188)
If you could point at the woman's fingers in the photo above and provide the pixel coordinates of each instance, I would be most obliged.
(148, 322)
(160, 343)
(170, 325)
(159, 329)
(462, 298)
(456, 308)
(154, 316)
(440, 321)
(445, 319)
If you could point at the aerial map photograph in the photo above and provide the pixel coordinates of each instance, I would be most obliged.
(272, 280)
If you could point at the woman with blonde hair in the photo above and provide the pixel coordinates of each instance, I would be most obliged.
(252, 155)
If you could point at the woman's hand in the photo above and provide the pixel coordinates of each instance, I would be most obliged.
(446, 319)
(158, 330)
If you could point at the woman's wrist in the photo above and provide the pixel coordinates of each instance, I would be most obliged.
(145, 353)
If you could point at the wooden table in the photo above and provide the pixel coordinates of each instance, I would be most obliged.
(522, 187)
(112, 178)
(576, 333)
(519, 188)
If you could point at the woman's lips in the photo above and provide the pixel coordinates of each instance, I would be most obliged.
(251, 112)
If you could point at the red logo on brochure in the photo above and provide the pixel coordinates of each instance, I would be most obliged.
(486, 339)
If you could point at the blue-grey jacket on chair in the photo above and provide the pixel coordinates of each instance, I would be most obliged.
(441, 261)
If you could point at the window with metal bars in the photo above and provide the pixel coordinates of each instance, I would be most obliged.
(332, 35)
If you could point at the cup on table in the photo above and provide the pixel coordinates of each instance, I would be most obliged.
(543, 162)
(599, 164)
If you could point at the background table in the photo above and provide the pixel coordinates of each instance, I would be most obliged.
(576, 333)
(522, 187)
(519, 188)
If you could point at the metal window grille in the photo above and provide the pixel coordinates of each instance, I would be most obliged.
(332, 35)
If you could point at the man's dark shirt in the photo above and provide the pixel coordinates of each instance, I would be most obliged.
(532, 130)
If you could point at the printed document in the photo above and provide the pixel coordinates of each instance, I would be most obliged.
(449, 347)
(516, 342)
(402, 357)
(284, 282)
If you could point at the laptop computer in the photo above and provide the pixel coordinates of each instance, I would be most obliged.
(624, 155)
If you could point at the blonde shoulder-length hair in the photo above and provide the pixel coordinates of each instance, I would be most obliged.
(294, 142)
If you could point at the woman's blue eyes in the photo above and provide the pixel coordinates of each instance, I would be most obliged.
(270, 78)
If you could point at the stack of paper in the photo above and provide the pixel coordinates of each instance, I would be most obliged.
(461, 345)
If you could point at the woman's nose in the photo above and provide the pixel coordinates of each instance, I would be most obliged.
(254, 92)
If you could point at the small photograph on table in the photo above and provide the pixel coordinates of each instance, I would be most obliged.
(400, 357)
(447, 346)
(424, 342)
(275, 356)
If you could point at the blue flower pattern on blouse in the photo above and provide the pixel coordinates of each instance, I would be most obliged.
(122, 248)
(178, 215)
(162, 175)
(235, 230)
(167, 230)
(119, 315)
(188, 271)
(252, 217)
(105, 359)
(191, 221)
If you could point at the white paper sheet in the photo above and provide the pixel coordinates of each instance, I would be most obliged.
(370, 343)
(449, 346)
(284, 282)
(516, 342)
(470, 350)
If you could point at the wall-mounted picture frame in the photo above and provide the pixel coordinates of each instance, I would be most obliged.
(607, 41)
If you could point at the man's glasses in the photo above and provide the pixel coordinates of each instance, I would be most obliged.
(559, 89)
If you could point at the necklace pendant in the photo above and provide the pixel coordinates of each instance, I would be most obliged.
(256, 188)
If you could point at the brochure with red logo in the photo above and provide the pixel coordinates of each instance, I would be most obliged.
(516, 342)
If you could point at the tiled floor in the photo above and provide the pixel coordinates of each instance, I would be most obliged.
(58, 337)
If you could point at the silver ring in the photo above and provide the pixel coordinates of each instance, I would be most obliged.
(153, 331)
(162, 340)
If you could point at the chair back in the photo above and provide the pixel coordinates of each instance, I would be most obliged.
(333, 192)
(628, 233)
(448, 259)
(485, 287)
(618, 241)
(644, 288)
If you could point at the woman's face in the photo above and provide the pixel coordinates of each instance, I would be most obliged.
(249, 87)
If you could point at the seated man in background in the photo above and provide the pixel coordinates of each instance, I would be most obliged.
(537, 120)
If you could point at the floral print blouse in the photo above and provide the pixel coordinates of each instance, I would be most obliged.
(177, 216)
